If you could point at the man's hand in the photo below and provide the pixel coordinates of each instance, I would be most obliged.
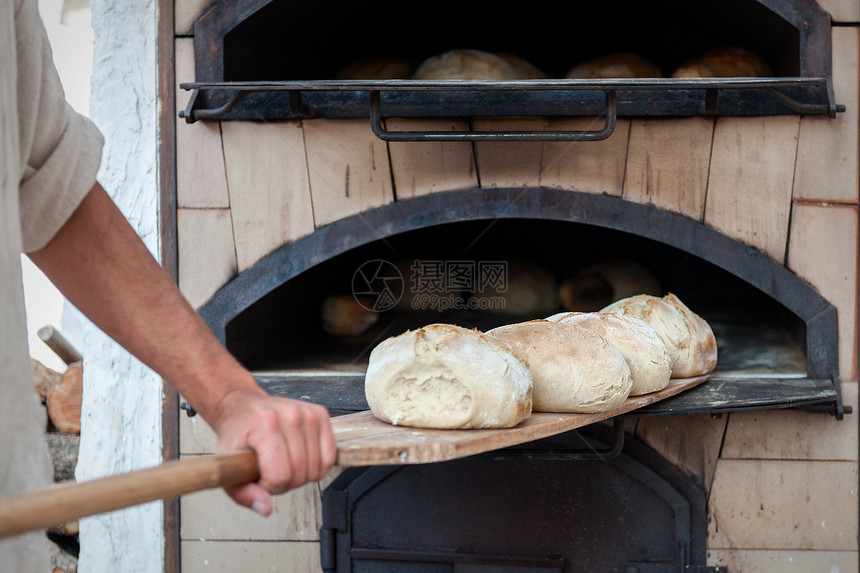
(293, 441)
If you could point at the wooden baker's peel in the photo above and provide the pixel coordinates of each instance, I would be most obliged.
(361, 440)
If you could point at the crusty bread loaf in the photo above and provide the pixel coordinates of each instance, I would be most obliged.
(377, 68)
(646, 355)
(464, 64)
(627, 277)
(602, 283)
(344, 314)
(586, 292)
(617, 65)
(525, 69)
(725, 63)
(447, 377)
(528, 290)
(687, 336)
(573, 368)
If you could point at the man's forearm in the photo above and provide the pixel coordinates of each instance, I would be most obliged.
(103, 268)
(101, 265)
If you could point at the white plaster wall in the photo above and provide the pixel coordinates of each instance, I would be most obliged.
(121, 417)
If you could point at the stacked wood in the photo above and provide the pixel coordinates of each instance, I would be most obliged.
(61, 393)
(63, 449)
(64, 570)
(43, 379)
(65, 545)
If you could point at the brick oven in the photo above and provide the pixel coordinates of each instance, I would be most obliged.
(739, 194)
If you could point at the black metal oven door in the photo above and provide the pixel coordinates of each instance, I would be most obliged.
(513, 513)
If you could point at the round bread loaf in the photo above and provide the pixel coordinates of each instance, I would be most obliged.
(688, 337)
(587, 292)
(466, 65)
(602, 283)
(528, 290)
(646, 355)
(573, 368)
(725, 63)
(618, 65)
(344, 314)
(525, 69)
(447, 377)
(628, 278)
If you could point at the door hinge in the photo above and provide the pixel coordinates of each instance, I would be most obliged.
(334, 520)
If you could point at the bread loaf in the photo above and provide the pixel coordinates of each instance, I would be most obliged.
(725, 63)
(573, 368)
(688, 337)
(447, 377)
(646, 355)
(344, 314)
(627, 277)
(528, 290)
(602, 283)
(586, 292)
(617, 65)
(525, 69)
(462, 64)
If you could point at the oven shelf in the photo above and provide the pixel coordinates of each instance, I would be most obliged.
(760, 366)
(344, 393)
(611, 98)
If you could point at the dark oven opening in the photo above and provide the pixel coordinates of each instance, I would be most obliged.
(275, 42)
(776, 335)
(285, 331)
(275, 59)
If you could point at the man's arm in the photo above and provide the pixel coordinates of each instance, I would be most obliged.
(104, 269)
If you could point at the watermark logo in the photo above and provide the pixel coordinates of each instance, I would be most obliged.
(377, 285)
(431, 285)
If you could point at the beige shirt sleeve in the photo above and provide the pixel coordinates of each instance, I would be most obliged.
(60, 149)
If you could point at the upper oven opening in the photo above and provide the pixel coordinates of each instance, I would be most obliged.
(271, 60)
(315, 41)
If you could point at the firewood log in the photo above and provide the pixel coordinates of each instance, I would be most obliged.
(64, 400)
(43, 378)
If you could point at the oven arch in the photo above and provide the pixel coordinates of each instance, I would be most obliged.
(546, 206)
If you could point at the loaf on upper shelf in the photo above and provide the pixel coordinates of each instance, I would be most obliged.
(615, 65)
(469, 64)
(526, 69)
(475, 64)
(724, 63)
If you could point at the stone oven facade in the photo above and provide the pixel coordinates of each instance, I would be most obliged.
(780, 483)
